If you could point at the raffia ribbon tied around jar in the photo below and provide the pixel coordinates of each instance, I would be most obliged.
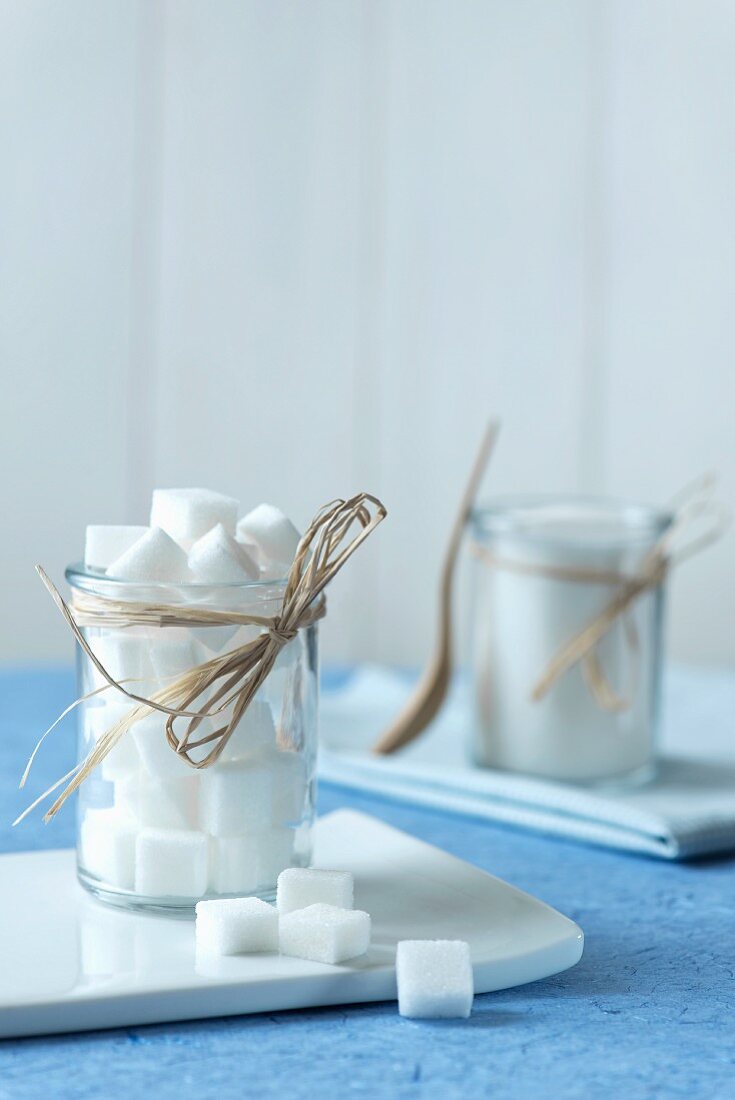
(697, 521)
(228, 682)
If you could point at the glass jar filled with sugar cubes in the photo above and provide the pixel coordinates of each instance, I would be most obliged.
(154, 832)
(552, 575)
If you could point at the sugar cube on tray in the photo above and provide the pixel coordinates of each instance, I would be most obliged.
(324, 933)
(235, 926)
(187, 514)
(299, 887)
(435, 979)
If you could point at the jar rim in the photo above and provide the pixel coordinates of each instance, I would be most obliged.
(78, 575)
(570, 520)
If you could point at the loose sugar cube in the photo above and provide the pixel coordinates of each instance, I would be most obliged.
(299, 887)
(289, 787)
(235, 798)
(217, 558)
(157, 756)
(123, 759)
(108, 847)
(255, 734)
(155, 803)
(187, 514)
(236, 926)
(325, 933)
(434, 978)
(171, 863)
(234, 864)
(104, 544)
(276, 848)
(273, 535)
(154, 558)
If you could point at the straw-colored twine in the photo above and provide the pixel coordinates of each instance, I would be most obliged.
(671, 549)
(231, 679)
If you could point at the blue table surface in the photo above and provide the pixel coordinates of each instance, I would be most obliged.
(647, 1012)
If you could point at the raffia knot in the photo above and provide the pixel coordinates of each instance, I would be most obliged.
(281, 636)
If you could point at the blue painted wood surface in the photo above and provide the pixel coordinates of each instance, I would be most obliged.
(647, 1013)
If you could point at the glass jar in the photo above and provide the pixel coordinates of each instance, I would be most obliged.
(545, 567)
(155, 833)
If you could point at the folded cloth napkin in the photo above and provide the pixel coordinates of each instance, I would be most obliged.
(687, 810)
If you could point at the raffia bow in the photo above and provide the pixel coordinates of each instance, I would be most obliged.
(229, 680)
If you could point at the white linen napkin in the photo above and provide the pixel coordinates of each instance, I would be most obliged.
(688, 810)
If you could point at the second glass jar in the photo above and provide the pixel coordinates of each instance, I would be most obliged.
(546, 567)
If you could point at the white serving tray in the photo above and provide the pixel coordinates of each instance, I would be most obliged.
(70, 963)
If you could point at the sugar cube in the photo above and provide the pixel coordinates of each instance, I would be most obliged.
(255, 733)
(235, 798)
(154, 558)
(289, 787)
(156, 803)
(123, 759)
(299, 887)
(158, 758)
(187, 514)
(235, 926)
(325, 933)
(173, 653)
(108, 847)
(124, 654)
(216, 639)
(434, 978)
(104, 543)
(217, 558)
(273, 535)
(171, 863)
(234, 864)
(275, 852)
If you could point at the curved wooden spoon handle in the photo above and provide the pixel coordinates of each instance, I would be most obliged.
(431, 690)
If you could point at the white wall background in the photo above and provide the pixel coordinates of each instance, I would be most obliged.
(292, 250)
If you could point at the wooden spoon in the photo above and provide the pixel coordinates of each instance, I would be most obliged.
(431, 690)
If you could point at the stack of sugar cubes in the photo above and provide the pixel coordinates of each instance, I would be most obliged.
(314, 919)
(169, 830)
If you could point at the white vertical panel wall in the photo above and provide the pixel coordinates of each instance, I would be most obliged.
(481, 309)
(670, 373)
(259, 252)
(292, 250)
(67, 133)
